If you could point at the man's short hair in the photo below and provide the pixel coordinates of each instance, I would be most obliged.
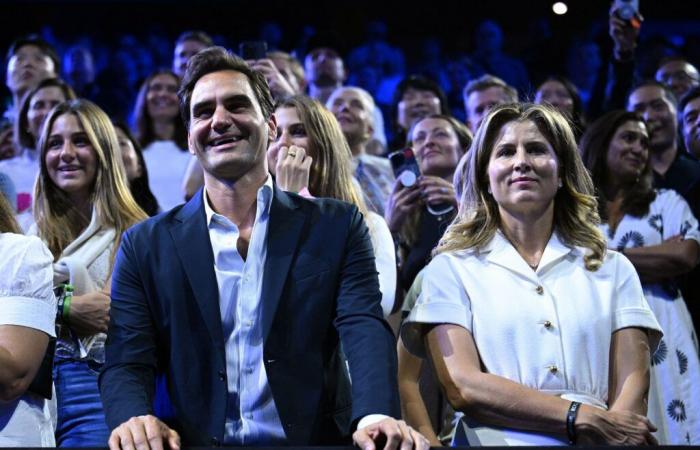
(488, 81)
(687, 98)
(365, 97)
(668, 93)
(37, 41)
(195, 35)
(216, 59)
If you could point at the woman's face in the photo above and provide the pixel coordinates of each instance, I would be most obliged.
(416, 104)
(436, 146)
(129, 156)
(523, 170)
(161, 98)
(628, 151)
(71, 160)
(39, 107)
(290, 131)
(554, 93)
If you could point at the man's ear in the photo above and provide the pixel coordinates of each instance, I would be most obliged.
(271, 129)
(189, 144)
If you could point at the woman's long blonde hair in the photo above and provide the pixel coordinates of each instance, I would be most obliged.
(331, 173)
(575, 205)
(57, 218)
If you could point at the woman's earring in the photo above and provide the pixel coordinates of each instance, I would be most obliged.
(560, 183)
(488, 189)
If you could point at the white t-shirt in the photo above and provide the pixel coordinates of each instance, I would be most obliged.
(549, 329)
(166, 164)
(26, 299)
(385, 259)
(23, 170)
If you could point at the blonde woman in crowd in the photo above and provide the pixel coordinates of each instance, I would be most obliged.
(82, 207)
(537, 333)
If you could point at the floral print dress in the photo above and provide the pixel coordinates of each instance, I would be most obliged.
(674, 396)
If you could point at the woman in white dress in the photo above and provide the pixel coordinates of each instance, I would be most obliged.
(27, 311)
(537, 333)
(656, 230)
(82, 207)
(311, 157)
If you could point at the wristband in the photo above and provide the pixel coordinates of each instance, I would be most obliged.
(65, 309)
(570, 422)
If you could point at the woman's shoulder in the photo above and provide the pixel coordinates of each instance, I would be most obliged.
(13, 246)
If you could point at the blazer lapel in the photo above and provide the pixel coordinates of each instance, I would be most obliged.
(283, 236)
(193, 245)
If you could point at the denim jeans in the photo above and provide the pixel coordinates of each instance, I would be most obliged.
(81, 418)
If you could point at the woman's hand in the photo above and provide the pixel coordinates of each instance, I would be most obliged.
(89, 313)
(292, 167)
(437, 191)
(402, 201)
(595, 426)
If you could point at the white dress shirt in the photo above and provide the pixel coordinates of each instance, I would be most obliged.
(251, 416)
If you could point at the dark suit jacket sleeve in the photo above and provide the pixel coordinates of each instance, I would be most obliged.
(366, 337)
(127, 378)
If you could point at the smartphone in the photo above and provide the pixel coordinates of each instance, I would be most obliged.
(405, 166)
(252, 50)
(626, 10)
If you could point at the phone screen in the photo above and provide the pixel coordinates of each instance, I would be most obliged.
(405, 166)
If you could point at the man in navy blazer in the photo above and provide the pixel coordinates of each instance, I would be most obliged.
(242, 297)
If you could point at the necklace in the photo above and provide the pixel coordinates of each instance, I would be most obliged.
(532, 266)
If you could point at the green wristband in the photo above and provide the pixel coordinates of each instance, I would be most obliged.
(66, 302)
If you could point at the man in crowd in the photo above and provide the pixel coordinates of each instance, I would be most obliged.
(689, 116)
(482, 94)
(678, 74)
(243, 296)
(187, 45)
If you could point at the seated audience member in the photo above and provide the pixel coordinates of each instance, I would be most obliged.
(159, 130)
(29, 60)
(489, 54)
(26, 323)
(415, 97)
(79, 71)
(309, 154)
(561, 93)
(656, 231)
(305, 269)
(82, 207)
(484, 93)
(34, 108)
(679, 75)
(418, 214)
(537, 333)
(689, 117)
(186, 46)
(135, 169)
(353, 109)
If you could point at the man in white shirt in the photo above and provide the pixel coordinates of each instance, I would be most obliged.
(242, 296)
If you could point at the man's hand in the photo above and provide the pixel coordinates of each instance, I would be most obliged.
(396, 434)
(144, 433)
(89, 313)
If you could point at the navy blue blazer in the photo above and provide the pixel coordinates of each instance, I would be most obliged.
(320, 288)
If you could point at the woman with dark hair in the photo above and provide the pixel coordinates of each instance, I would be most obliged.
(136, 171)
(657, 232)
(562, 94)
(414, 98)
(82, 207)
(27, 311)
(159, 130)
(24, 167)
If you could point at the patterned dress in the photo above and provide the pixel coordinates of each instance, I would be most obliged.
(674, 397)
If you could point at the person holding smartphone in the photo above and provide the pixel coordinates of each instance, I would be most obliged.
(418, 213)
